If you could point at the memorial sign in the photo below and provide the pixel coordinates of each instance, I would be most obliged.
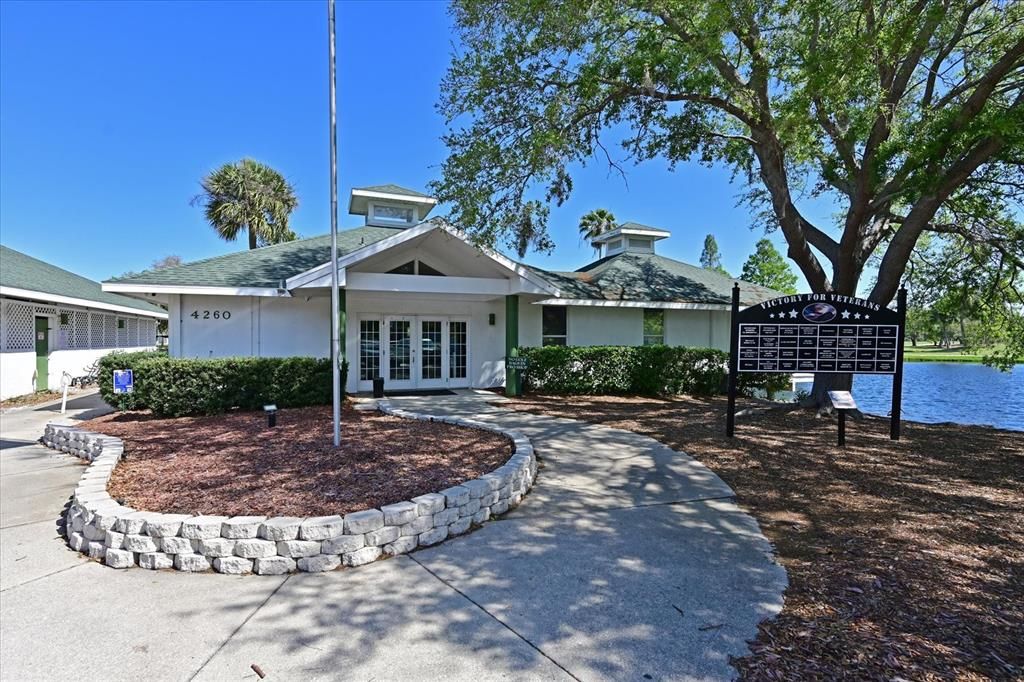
(817, 333)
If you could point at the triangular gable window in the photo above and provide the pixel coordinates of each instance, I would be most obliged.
(404, 269)
(427, 270)
(415, 267)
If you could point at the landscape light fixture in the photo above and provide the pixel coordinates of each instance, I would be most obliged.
(271, 411)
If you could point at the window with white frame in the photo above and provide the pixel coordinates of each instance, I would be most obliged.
(654, 327)
(386, 214)
(369, 349)
(554, 327)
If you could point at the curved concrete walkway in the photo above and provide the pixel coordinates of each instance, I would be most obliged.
(627, 561)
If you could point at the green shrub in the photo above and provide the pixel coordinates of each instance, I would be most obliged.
(641, 370)
(180, 386)
(121, 360)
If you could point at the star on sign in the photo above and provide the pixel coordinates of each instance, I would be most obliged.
(866, 316)
(771, 315)
(856, 316)
(846, 314)
(792, 313)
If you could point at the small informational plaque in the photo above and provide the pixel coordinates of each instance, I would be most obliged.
(842, 400)
(124, 381)
(519, 362)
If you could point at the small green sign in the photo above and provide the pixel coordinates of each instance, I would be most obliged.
(519, 362)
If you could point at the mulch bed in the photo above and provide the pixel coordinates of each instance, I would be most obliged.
(905, 560)
(32, 399)
(234, 465)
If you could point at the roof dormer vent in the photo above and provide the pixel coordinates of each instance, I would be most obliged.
(629, 238)
(390, 205)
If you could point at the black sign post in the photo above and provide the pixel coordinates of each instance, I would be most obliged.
(817, 333)
(897, 379)
(730, 420)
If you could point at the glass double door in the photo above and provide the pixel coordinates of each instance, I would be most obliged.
(425, 352)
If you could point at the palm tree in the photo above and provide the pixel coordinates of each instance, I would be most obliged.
(596, 223)
(252, 196)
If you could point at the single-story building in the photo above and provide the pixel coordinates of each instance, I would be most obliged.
(53, 321)
(426, 308)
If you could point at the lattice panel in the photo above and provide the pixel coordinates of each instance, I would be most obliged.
(96, 330)
(122, 332)
(45, 310)
(20, 320)
(133, 331)
(109, 331)
(81, 337)
(147, 337)
(65, 328)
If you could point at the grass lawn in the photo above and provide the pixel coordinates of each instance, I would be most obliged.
(905, 560)
(930, 353)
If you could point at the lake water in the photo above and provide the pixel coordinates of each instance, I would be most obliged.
(960, 392)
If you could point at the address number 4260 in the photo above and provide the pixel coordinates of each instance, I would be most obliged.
(211, 314)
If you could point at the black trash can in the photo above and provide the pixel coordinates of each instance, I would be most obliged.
(378, 387)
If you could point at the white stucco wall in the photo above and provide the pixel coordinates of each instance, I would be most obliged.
(699, 328)
(69, 351)
(297, 326)
(598, 326)
(256, 326)
(18, 370)
(17, 374)
(529, 323)
(282, 327)
(212, 334)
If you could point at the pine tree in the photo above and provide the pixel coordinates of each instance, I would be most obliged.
(710, 258)
(767, 267)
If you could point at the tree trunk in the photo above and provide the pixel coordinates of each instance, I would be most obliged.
(823, 383)
(252, 238)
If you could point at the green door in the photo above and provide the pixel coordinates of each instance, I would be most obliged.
(42, 353)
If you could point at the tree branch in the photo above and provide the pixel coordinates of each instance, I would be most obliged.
(897, 254)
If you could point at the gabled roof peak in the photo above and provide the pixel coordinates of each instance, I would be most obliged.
(390, 188)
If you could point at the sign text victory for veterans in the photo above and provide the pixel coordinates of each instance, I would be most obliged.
(817, 333)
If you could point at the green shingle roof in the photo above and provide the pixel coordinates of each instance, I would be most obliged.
(395, 189)
(626, 276)
(639, 226)
(650, 277)
(21, 271)
(265, 267)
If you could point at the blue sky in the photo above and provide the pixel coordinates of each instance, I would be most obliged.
(110, 112)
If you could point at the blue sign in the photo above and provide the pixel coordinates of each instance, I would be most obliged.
(124, 381)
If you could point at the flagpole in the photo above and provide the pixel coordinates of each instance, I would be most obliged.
(335, 334)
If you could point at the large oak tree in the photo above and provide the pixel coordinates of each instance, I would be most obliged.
(907, 115)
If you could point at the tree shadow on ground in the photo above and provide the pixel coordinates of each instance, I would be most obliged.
(622, 583)
(905, 558)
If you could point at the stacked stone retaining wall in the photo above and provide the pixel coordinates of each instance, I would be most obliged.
(123, 537)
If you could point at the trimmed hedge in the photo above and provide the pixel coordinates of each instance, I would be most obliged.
(637, 370)
(174, 387)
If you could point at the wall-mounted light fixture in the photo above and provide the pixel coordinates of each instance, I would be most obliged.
(491, 319)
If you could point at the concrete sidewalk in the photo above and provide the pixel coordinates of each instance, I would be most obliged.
(627, 561)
